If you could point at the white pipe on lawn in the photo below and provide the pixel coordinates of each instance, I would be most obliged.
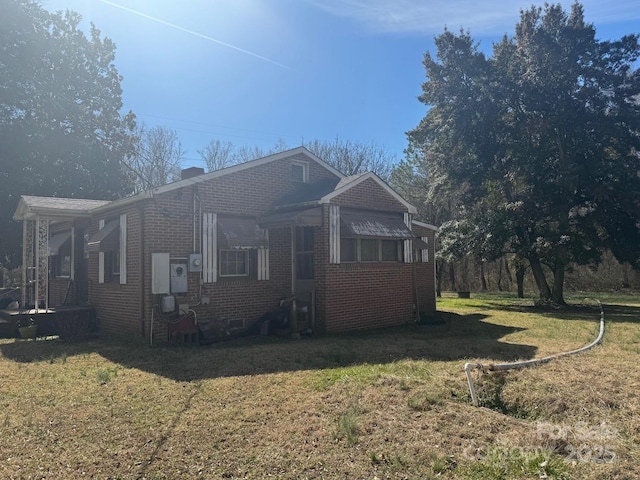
(528, 363)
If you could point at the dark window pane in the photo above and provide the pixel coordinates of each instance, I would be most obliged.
(348, 250)
(369, 250)
(389, 250)
(233, 263)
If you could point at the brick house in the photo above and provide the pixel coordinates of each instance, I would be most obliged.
(230, 245)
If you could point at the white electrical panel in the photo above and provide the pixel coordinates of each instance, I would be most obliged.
(179, 278)
(160, 273)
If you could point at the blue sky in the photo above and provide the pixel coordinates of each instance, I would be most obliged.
(255, 71)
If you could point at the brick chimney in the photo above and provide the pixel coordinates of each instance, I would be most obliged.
(191, 172)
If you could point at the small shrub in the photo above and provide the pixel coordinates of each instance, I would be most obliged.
(349, 425)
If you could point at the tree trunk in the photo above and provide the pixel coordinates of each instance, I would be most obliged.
(541, 281)
(452, 276)
(439, 266)
(508, 271)
(557, 295)
(520, 271)
(500, 274)
(483, 280)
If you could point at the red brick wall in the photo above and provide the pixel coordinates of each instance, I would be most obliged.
(425, 273)
(354, 296)
(348, 296)
(118, 306)
(168, 228)
(370, 195)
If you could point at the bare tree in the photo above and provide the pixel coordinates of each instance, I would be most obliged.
(217, 155)
(352, 157)
(158, 157)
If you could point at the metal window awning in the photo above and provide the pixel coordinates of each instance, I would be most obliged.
(311, 217)
(107, 238)
(419, 244)
(241, 233)
(375, 226)
(57, 241)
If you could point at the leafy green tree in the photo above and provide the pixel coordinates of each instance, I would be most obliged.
(61, 131)
(545, 134)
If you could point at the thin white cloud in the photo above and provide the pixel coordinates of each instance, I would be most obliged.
(191, 32)
(488, 17)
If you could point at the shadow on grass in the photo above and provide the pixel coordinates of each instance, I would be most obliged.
(575, 311)
(457, 337)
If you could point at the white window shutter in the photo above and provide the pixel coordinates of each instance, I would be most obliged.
(334, 234)
(263, 260)
(123, 249)
(101, 258)
(209, 247)
(425, 252)
(408, 244)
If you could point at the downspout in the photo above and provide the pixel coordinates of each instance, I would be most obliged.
(415, 290)
(528, 363)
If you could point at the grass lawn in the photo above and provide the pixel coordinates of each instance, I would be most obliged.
(386, 404)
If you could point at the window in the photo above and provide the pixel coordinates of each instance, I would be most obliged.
(112, 266)
(370, 250)
(111, 243)
(389, 250)
(60, 254)
(233, 247)
(234, 263)
(300, 172)
(304, 253)
(348, 250)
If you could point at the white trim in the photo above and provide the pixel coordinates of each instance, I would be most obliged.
(334, 234)
(424, 225)
(123, 249)
(263, 260)
(101, 257)
(305, 170)
(209, 247)
(370, 175)
(408, 244)
(424, 253)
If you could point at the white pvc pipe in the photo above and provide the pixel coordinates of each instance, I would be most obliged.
(528, 363)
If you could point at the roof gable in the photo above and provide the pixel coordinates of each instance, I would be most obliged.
(223, 172)
(346, 185)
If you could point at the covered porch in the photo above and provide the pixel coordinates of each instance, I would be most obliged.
(53, 250)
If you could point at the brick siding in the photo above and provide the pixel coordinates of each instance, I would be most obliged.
(348, 296)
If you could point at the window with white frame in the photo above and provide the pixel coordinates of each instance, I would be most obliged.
(233, 247)
(300, 172)
(234, 263)
(370, 250)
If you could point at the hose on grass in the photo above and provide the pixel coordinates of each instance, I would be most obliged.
(469, 366)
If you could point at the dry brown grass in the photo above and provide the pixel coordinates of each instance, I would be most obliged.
(390, 404)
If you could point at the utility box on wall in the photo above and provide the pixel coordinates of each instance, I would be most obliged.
(179, 278)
